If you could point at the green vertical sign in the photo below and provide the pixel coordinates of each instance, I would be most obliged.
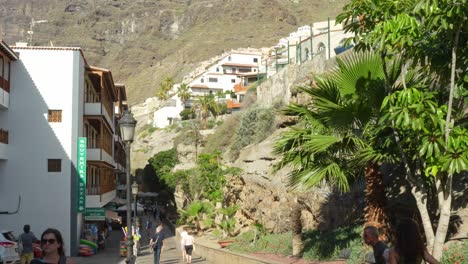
(81, 167)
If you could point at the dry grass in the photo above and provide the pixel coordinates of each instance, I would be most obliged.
(153, 51)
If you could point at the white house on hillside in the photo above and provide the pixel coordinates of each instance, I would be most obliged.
(55, 97)
(232, 73)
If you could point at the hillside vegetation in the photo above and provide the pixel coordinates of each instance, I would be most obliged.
(144, 41)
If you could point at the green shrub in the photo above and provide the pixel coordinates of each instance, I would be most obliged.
(256, 124)
(162, 163)
(188, 133)
(187, 113)
(224, 134)
(222, 108)
(147, 130)
(271, 243)
(328, 245)
(211, 124)
(456, 253)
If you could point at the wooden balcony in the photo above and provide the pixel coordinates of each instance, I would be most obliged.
(4, 84)
(3, 136)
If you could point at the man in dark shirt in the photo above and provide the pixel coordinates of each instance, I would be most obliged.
(371, 238)
(157, 243)
(27, 239)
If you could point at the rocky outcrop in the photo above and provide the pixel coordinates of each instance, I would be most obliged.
(264, 197)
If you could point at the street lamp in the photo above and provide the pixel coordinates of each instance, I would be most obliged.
(135, 192)
(127, 130)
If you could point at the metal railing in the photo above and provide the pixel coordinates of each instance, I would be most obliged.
(99, 189)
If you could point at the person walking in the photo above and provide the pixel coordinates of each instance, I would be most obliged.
(182, 243)
(189, 246)
(52, 248)
(149, 227)
(371, 238)
(409, 247)
(157, 243)
(27, 239)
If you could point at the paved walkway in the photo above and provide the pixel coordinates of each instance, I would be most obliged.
(110, 255)
(171, 254)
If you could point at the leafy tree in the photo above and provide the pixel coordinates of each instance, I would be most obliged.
(206, 105)
(162, 163)
(429, 36)
(187, 114)
(164, 88)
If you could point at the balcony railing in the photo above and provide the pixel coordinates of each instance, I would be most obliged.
(99, 189)
(3, 136)
(4, 84)
(105, 144)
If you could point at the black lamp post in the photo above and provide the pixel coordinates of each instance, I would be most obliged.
(135, 193)
(127, 130)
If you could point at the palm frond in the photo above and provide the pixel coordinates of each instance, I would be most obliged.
(307, 179)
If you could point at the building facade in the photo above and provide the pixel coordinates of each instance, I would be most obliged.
(227, 79)
(55, 98)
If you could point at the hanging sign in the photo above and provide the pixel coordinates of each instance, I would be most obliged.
(81, 168)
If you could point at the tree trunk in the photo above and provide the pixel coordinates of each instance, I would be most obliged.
(296, 222)
(420, 196)
(444, 219)
(376, 213)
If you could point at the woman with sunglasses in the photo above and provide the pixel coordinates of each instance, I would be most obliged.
(52, 248)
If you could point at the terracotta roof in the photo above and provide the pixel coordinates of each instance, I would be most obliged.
(9, 52)
(238, 64)
(52, 48)
(231, 104)
(239, 88)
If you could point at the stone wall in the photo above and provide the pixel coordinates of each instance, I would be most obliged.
(278, 87)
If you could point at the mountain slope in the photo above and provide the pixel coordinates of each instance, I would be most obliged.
(144, 41)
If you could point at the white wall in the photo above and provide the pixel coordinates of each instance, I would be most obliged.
(162, 115)
(41, 80)
(241, 59)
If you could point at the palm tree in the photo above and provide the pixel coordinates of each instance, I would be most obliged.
(184, 93)
(205, 105)
(164, 88)
(332, 140)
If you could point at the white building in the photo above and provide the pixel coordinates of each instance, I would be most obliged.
(55, 97)
(299, 46)
(228, 78)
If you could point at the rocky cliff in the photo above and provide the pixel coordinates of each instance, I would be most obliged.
(145, 41)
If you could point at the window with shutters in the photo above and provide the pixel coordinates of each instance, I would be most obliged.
(55, 116)
(54, 165)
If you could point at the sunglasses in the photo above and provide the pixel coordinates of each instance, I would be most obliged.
(48, 241)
